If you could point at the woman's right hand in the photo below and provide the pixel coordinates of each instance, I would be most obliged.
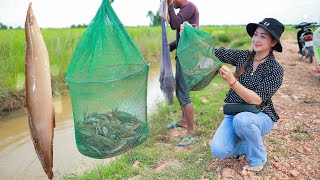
(227, 75)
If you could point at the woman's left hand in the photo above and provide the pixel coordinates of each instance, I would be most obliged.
(226, 74)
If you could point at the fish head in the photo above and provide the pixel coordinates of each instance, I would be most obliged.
(44, 155)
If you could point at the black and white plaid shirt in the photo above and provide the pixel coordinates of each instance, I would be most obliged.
(265, 81)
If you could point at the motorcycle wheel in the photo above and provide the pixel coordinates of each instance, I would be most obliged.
(310, 58)
(310, 55)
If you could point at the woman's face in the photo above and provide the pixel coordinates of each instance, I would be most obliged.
(262, 41)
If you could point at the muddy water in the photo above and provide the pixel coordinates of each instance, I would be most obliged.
(18, 159)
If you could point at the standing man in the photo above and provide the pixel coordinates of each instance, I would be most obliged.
(188, 12)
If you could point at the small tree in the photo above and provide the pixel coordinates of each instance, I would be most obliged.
(155, 19)
(151, 16)
(2, 26)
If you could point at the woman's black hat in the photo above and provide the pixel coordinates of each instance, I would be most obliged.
(273, 26)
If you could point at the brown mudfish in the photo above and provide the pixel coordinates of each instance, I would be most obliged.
(39, 93)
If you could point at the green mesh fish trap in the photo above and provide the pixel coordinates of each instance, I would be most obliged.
(196, 54)
(107, 79)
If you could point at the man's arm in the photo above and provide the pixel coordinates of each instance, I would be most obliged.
(173, 45)
(177, 19)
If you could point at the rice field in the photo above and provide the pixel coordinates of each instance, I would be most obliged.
(61, 44)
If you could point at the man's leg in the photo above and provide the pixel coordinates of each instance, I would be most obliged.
(188, 112)
(189, 116)
(182, 121)
(183, 95)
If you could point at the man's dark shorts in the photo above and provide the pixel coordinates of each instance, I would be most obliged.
(182, 90)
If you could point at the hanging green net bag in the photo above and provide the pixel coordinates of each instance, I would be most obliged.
(107, 79)
(196, 54)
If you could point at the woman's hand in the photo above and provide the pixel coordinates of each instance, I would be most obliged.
(246, 94)
(227, 75)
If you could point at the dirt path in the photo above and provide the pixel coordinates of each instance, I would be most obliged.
(294, 144)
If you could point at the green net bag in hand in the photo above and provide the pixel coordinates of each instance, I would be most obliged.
(107, 79)
(196, 54)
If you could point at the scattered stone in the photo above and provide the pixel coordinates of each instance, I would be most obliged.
(295, 98)
(316, 121)
(136, 165)
(294, 173)
(285, 96)
(275, 165)
(211, 168)
(307, 149)
(299, 150)
(173, 163)
(204, 101)
(296, 117)
(244, 172)
(277, 176)
(227, 172)
(206, 145)
(251, 174)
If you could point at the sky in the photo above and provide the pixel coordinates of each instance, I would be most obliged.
(64, 13)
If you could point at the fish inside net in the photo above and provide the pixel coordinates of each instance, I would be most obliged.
(107, 78)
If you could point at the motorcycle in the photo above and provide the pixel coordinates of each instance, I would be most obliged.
(305, 39)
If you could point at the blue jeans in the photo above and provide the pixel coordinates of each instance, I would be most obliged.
(242, 134)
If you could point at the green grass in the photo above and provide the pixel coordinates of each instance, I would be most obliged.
(224, 38)
(273, 140)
